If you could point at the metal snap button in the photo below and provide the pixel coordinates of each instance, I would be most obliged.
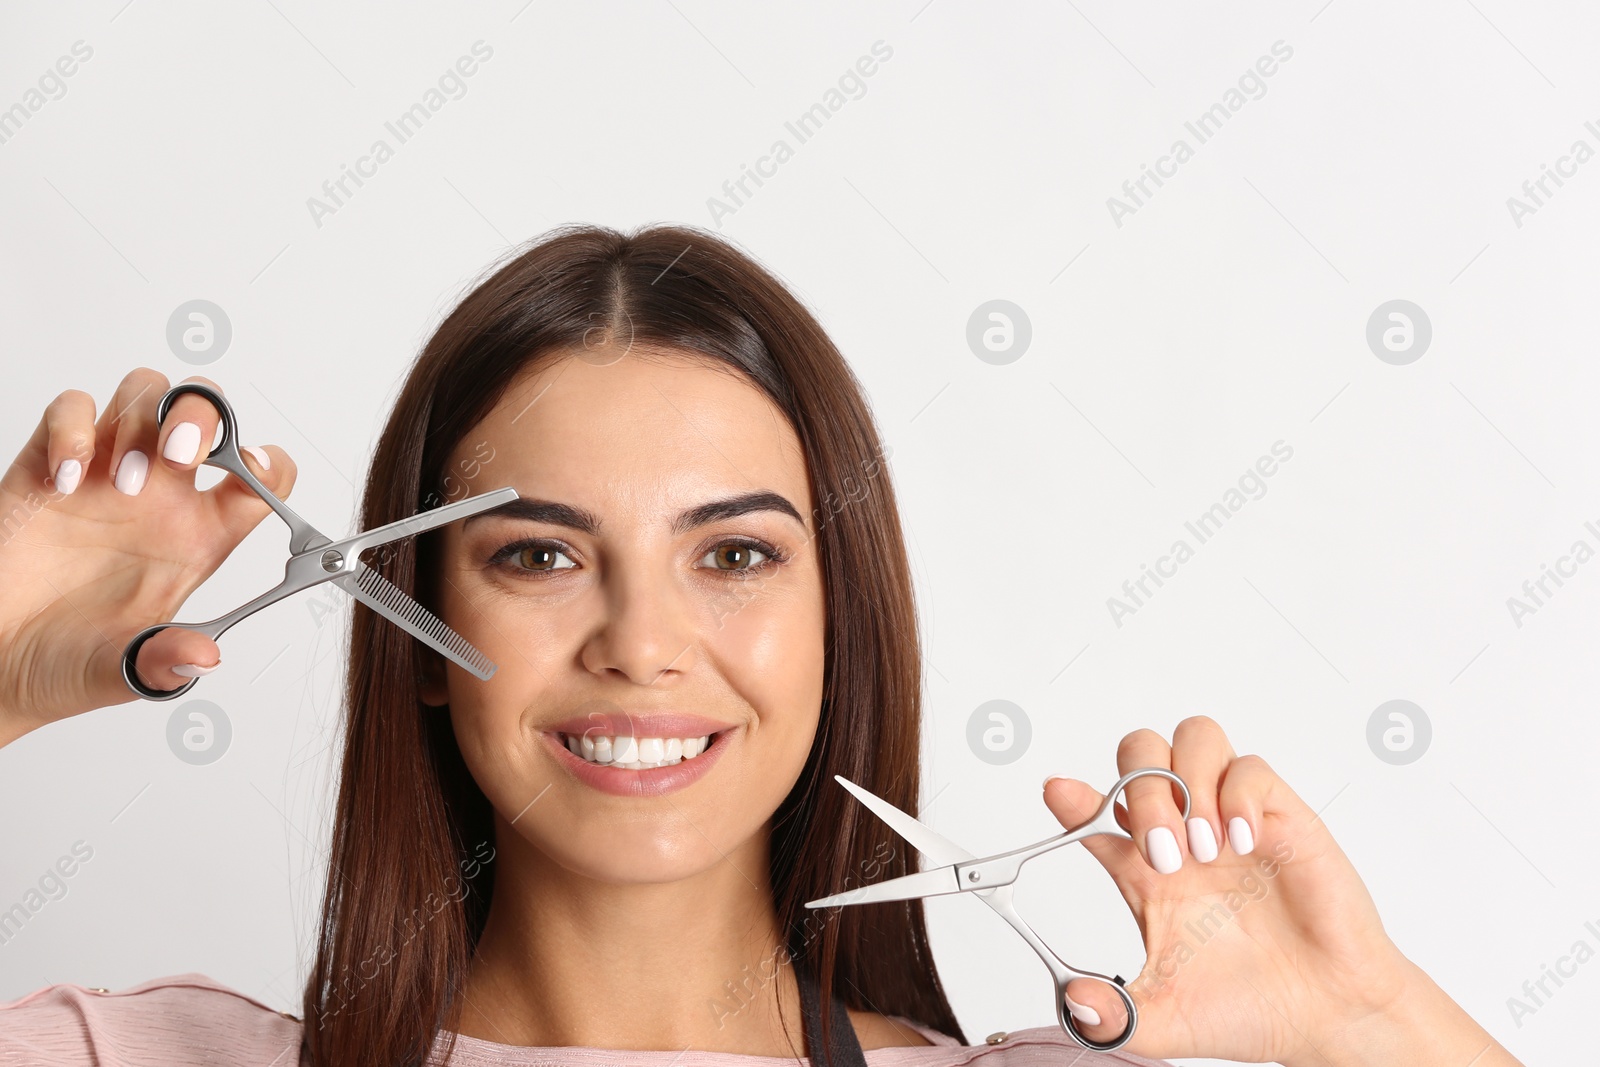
(996, 1037)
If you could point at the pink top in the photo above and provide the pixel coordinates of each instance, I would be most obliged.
(189, 1020)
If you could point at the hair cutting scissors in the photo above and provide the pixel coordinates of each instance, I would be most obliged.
(316, 558)
(991, 880)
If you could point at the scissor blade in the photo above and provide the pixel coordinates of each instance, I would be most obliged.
(422, 521)
(934, 846)
(394, 604)
(935, 883)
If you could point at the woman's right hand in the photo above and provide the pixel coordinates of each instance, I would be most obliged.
(87, 560)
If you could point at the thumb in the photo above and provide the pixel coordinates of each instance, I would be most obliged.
(1100, 1014)
(165, 661)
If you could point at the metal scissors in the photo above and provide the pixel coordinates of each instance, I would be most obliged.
(316, 558)
(991, 879)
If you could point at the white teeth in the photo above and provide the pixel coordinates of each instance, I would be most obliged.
(637, 753)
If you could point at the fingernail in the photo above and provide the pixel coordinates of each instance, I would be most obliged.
(1239, 837)
(260, 456)
(1050, 779)
(194, 670)
(1202, 842)
(131, 472)
(68, 473)
(182, 443)
(216, 438)
(1083, 1013)
(1163, 848)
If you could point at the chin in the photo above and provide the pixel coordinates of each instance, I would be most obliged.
(639, 854)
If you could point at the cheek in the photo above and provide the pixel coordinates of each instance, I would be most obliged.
(489, 717)
(770, 647)
(770, 656)
(521, 636)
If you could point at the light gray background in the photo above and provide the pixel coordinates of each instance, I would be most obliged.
(1167, 354)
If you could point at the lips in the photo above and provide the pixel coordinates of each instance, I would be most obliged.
(649, 782)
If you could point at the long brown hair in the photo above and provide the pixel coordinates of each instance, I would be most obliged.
(412, 864)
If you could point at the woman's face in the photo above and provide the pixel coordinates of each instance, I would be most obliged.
(665, 607)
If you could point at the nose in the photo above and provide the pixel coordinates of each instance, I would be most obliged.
(646, 631)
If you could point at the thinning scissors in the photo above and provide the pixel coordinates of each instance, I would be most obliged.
(316, 558)
(991, 878)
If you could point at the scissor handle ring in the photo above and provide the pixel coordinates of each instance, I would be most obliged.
(1069, 1024)
(1121, 784)
(230, 433)
(130, 653)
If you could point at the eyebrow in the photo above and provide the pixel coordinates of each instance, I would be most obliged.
(558, 514)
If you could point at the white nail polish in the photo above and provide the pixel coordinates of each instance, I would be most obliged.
(1083, 1013)
(1202, 842)
(260, 456)
(182, 443)
(68, 474)
(1239, 837)
(216, 438)
(194, 670)
(1163, 848)
(131, 472)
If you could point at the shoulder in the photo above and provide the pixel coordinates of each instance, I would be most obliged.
(174, 1021)
(893, 1031)
(1042, 1046)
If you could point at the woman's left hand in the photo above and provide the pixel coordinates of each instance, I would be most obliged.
(1262, 943)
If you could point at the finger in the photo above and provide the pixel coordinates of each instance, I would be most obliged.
(128, 426)
(238, 506)
(1200, 754)
(173, 656)
(1096, 1008)
(1157, 820)
(1251, 790)
(68, 428)
(190, 429)
(1074, 803)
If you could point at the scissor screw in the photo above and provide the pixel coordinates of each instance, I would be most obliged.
(974, 876)
(332, 560)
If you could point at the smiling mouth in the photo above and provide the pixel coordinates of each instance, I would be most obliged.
(627, 753)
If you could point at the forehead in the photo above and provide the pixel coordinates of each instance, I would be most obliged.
(652, 431)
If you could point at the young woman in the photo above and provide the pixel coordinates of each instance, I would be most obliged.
(704, 579)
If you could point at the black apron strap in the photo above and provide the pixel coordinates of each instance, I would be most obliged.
(844, 1050)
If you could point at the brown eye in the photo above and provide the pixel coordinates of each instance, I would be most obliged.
(737, 556)
(538, 558)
